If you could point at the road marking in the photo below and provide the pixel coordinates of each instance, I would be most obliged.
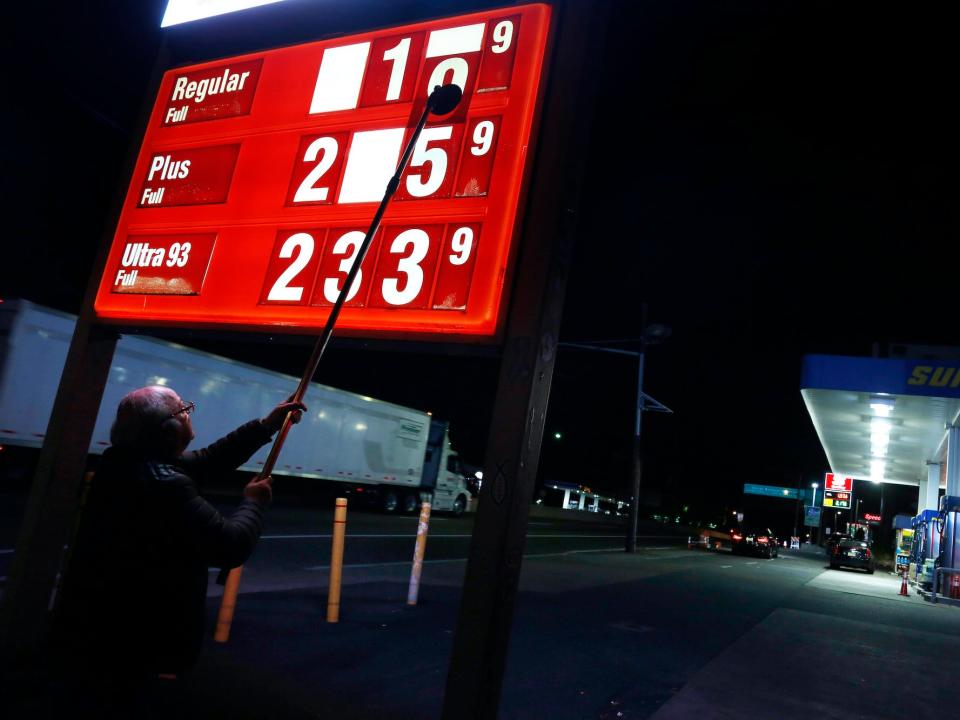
(6, 551)
(726, 566)
(452, 560)
(321, 536)
(754, 562)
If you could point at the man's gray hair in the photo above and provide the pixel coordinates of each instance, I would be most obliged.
(140, 415)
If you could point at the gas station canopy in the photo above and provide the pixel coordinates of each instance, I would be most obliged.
(881, 419)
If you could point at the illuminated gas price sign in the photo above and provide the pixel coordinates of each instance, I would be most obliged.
(836, 499)
(259, 175)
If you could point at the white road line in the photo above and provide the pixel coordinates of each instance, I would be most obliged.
(754, 562)
(321, 536)
(454, 560)
(726, 566)
(6, 551)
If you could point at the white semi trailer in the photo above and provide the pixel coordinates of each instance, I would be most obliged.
(382, 453)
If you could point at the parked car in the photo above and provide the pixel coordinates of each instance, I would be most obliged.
(834, 540)
(759, 542)
(852, 553)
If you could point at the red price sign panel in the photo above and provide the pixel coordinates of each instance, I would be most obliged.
(259, 175)
(837, 483)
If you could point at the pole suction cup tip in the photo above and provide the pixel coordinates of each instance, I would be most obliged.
(444, 99)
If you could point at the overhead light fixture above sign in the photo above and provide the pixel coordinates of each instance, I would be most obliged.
(184, 11)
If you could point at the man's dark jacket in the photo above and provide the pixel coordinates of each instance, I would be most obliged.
(134, 589)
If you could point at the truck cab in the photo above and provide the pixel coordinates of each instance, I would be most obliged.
(443, 472)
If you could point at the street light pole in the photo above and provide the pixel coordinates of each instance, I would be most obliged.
(651, 335)
(631, 544)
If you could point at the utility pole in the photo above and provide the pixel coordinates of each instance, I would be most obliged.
(650, 335)
(631, 544)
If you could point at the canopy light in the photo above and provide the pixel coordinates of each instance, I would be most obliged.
(879, 436)
(882, 406)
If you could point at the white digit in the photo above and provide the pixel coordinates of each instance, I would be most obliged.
(462, 243)
(409, 266)
(331, 286)
(184, 254)
(502, 34)
(460, 72)
(398, 56)
(483, 137)
(173, 255)
(307, 192)
(281, 290)
(437, 157)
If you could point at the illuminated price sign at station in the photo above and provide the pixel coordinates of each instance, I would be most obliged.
(259, 175)
(835, 499)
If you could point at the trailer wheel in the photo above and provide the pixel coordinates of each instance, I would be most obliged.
(390, 501)
(410, 502)
(459, 506)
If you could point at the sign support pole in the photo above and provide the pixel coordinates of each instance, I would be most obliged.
(55, 490)
(479, 655)
(54, 494)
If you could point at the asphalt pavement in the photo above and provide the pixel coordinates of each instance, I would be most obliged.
(664, 633)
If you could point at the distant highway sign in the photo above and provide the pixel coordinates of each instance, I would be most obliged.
(770, 491)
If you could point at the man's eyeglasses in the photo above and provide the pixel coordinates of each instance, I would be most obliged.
(185, 408)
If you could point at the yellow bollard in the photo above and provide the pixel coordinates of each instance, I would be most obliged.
(336, 561)
(418, 551)
(227, 605)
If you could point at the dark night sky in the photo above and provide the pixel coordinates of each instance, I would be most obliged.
(771, 178)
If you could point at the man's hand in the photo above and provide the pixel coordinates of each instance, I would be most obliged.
(274, 419)
(260, 490)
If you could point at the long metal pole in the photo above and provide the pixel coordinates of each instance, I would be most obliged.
(631, 544)
(233, 581)
(324, 338)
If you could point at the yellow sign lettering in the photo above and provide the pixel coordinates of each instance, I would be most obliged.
(920, 375)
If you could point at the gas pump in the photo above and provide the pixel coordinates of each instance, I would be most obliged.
(903, 525)
(926, 547)
(948, 527)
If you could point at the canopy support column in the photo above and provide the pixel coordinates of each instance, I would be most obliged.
(929, 498)
(953, 461)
